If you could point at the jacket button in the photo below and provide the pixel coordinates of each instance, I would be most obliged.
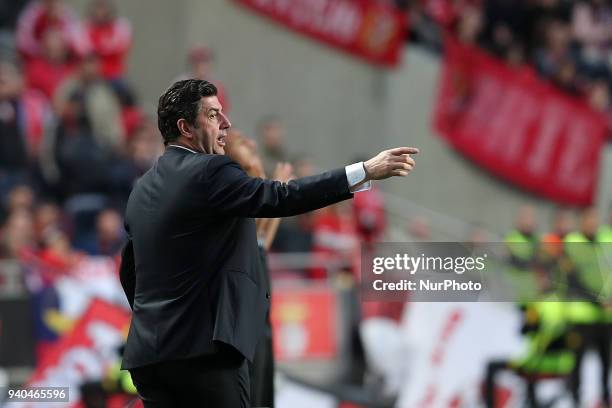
(267, 295)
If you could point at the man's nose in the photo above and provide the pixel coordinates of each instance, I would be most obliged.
(225, 124)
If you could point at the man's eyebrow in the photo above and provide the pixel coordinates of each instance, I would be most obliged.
(213, 109)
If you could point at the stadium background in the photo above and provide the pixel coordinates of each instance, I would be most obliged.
(334, 108)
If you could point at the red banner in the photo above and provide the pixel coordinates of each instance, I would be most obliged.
(372, 30)
(519, 127)
(85, 353)
(304, 323)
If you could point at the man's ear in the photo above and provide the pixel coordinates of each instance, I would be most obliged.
(184, 128)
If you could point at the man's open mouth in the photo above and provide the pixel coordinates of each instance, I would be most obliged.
(221, 140)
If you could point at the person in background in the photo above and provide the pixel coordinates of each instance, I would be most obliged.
(470, 25)
(24, 117)
(109, 235)
(335, 239)
(554, 50)
(132, 114)
(522, 243)
(295, 233)
(16, 235)
(562, 223)
(74, 160)
(243, 151)
(132, 161)
(369, 210)
(589, 290)
(111, 39)
(21, 197)
(199, 66)
(592, 29)
(271, 133)
(42, 15)
(48, 69)
(47, 216)
(100, 103)
(549, 352)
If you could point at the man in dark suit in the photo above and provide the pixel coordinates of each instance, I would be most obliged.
(190, 269)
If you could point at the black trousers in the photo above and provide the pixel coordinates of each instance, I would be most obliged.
(493, 368)
(592, 337)
(218, 380)
(261, 373)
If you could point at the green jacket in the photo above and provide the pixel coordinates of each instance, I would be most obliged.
(548, 350)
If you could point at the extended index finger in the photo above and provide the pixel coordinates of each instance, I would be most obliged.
(404, 150)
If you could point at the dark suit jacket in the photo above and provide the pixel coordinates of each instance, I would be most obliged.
(191, 268)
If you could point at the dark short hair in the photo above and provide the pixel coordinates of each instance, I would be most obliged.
(181, 100)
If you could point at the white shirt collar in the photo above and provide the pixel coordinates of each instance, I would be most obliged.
(182, 147)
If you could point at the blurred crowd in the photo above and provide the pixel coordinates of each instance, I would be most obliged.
(567, 42)
(72, 135)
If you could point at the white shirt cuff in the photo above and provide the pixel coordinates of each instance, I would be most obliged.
(355, 174)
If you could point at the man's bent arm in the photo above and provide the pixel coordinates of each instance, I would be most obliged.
(231, 191)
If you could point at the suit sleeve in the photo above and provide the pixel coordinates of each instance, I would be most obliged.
(127, 272)
(230, 191)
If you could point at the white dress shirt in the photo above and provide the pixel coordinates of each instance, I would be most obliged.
(355, 174)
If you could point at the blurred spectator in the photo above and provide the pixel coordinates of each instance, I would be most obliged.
(140, 153)
(295, 233)
(470, 25)
(51, 66)
(47, 216)
(515, 55)
(24, 117)
(132, 115)
(17, 234)
(145, 147)
(369, 210)
(566, 77)
(76, 161)
(19, 197)
(562, 223)
(99, 103)
(272, 136)
(43, 15)
(599, 95)
(199, 66)
(109, 234)
(554, 50)
(599, 98)
(57, 254)
(504, 24)
(111, 38)
(304, 166)
(334, 237)
(592, 27)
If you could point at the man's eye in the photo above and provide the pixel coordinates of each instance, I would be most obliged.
(212, 116)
